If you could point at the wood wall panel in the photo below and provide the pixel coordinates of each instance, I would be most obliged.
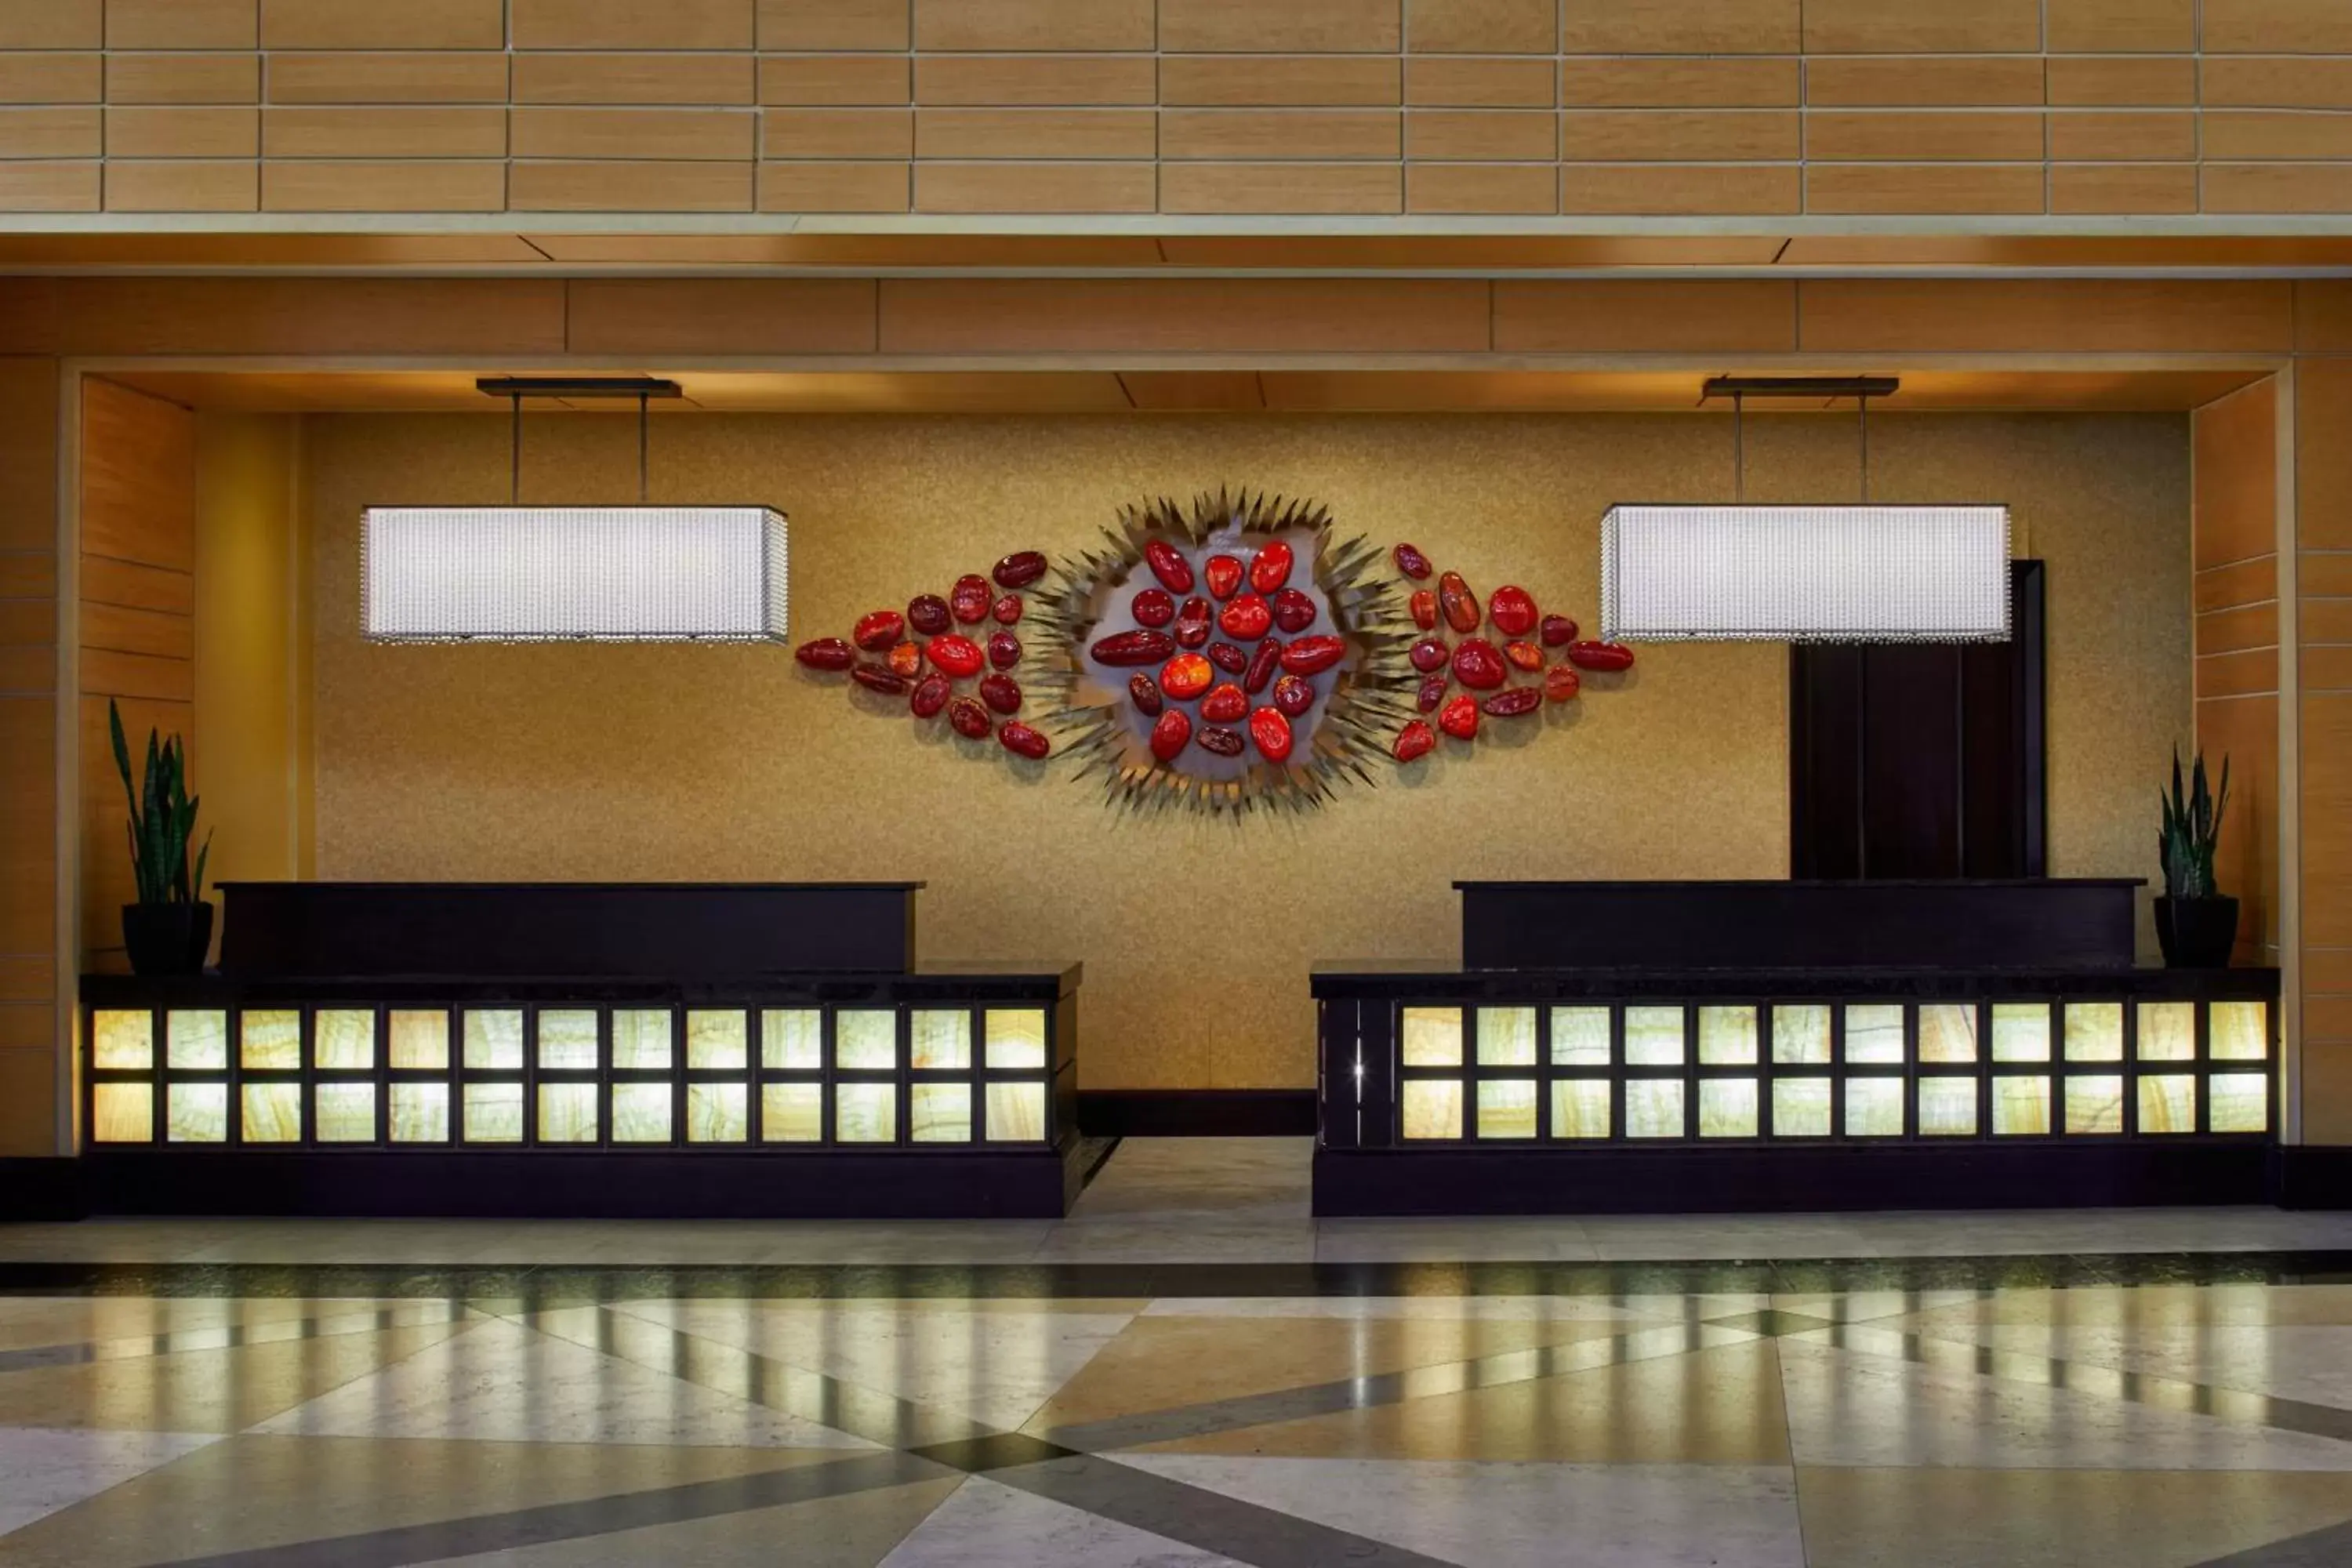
(2234, 555)
(2049, 316)
(28, 821)
(138, 533)
(1208, 315)
(1914, 110)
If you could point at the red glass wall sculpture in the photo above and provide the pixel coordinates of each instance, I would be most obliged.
(1484, 651)
(955, 655)
(1228, 657)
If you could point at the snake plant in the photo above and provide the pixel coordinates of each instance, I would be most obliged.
(162, 823)
(2191, 831)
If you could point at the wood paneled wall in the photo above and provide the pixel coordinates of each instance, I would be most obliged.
(138, 622)
(1739, 108)
(1041, 322)
(2236, 638)
(2323, 618)
(29, 766)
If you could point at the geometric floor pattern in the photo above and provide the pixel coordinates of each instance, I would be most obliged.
(2121, 1423)
(1190, 1371)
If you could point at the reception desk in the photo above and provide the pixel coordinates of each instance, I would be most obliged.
(616, 1050)
(1663, 1079)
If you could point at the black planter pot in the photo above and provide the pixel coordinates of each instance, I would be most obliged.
(167, 938)
(2197, 933)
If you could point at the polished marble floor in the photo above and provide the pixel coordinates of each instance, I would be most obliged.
(1189, 1371)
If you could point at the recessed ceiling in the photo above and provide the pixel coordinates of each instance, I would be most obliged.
(1182, 392)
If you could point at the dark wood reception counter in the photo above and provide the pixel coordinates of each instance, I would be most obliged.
(615, 1050)
(1558, 1084)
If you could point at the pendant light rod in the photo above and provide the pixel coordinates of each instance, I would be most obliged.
(1738, 448)
(515, 388)
(1820, 386)
(576, 386)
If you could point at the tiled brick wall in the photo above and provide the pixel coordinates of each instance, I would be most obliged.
(1355, 107)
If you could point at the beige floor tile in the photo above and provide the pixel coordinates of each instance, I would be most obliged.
(2149, 1305)
(29, 1322)
(1717, 1407)
(1164, 1363)
(855, 1532)
(1941, 1517)
(252, 1492)
(207, 1390)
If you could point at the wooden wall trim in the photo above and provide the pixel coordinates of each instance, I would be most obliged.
(485, 320)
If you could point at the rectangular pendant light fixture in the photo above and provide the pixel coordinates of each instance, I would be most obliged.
(1805, 573)
(576, 573)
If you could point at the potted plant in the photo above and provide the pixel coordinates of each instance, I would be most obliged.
(169, 930)
(2196, 925)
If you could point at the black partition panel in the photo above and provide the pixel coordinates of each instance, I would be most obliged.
(681, 931)
(1921, 760)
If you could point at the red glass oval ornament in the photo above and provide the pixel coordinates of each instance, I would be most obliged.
(1477, 666)
(1168, 564)
(1186, 675)
(968, 600)
(826, 653)
(1459, 604)
(1171, 734)
(1599, 655)
(1294, 695)
(1247, 619)
(1003, 650)
(1263, 660)
(1459, 719)
(1000, 692)
(1019, 569)
(1121, 648)
(1271, 731)
(1413, 742)
(1021, 740)
(1557, 631)
(1411, 561)
(931, 694)
(1312, 656)
(1223, 575)
(877, 629)
(1144, 692)
(929, 613)
(1429, 655)
(1518, 702)
(1270, 568)
(955, 656)
(1225, 705)
(1152, 607)
(1513, 611)
(969, 719)
(1294, 612)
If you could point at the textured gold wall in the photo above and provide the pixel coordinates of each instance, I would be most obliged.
(664, 761)
(252, 682)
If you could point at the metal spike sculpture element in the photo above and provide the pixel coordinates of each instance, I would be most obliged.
(1368, 693)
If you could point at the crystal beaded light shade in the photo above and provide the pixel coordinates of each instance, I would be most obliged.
(600, 574)
(1805, 573)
